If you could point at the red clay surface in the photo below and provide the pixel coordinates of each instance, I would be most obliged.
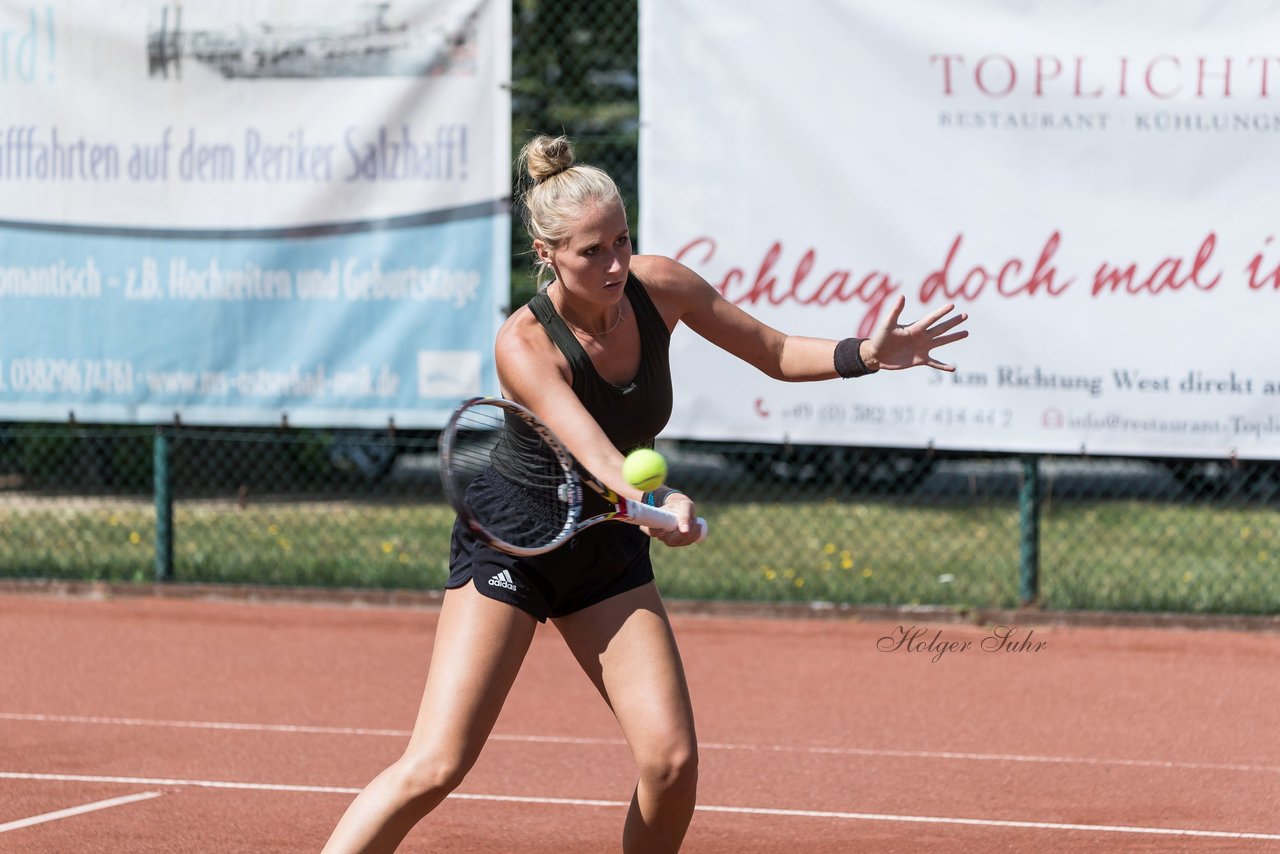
(256, 723)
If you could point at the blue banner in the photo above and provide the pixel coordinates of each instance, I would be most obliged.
(339, 329)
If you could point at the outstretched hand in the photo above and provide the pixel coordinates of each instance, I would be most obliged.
(896, 347)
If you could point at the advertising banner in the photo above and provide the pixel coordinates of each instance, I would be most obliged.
(237, 212)
(1093, 183)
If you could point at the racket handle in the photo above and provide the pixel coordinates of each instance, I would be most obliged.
(663, 520)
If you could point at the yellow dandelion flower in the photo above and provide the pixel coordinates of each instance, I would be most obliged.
(846, 563)
(135, 537)
(799, 583)
(770, 575)
(829, 548)
(273, 529)
(285, 544)
(867, 573)
(387, 547)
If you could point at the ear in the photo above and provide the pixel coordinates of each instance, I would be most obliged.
(543, 250)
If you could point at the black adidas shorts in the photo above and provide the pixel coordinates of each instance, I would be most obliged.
(598, 563)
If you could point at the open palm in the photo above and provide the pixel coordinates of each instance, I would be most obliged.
(896, 347)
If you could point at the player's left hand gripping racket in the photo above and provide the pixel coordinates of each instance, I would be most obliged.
(519, 489)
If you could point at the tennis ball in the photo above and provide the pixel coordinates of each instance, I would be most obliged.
(645, 469)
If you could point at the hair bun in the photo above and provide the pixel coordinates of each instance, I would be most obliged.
(548, 156)
(551, 209)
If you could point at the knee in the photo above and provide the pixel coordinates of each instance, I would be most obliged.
(670, 768)
(428, 776)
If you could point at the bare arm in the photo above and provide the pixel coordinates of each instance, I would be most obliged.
(532, 372)
(795, 358)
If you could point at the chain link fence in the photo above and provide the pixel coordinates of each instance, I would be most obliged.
(826, 524)
(817, 524)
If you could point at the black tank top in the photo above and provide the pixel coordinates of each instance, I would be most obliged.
(632, 415)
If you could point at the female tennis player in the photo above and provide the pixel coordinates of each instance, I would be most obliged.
(589, 356)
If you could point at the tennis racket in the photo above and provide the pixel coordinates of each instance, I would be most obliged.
(517, 487)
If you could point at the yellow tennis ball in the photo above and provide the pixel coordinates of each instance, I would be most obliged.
(645, 469)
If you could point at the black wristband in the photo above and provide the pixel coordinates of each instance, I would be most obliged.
(659, 496)
(848, 359)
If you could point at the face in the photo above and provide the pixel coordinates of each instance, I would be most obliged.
(592, 263)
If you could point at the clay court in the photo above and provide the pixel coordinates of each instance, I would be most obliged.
(147, 725)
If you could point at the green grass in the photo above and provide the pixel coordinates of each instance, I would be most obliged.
(875, 552)
(1127, 555)
(1149, 556)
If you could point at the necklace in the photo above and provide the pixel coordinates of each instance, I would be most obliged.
(576, 328)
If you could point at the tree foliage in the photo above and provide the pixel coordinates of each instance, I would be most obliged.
(574, 72)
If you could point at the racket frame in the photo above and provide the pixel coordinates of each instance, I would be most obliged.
(621, 509)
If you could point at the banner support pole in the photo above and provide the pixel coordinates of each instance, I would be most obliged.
(164, 508)
(1029, 531)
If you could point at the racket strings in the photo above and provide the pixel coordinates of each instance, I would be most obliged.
(513, 484)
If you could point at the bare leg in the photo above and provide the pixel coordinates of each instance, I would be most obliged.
(479, 647)
(626, 647)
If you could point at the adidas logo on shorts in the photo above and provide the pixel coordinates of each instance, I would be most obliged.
(503, 579)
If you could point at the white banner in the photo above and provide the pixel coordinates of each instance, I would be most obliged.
(237, 212)
(1095, 185)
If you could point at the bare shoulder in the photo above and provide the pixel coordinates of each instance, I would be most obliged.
(674, 288)
(524, 353)
(659, 271)
(683, 296)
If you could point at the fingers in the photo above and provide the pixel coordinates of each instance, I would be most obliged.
(938, 314)
(670, 538)
(947, 339)
(941, 366)
(686, 524)
(892, 320)
(949, 323)
(686, 531)
(689, 531)
(683, 507)
(675, 539)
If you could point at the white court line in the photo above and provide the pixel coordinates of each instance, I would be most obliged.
(584, 802)
(998, 757)
(80, 810)
(703, 745)
(169, 781)
(143, 722)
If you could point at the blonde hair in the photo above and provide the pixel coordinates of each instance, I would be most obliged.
(556, 191)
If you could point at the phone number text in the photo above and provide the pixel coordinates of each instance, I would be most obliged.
(898, 415)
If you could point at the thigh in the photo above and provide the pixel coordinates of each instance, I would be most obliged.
(479, 646)
(627, 648)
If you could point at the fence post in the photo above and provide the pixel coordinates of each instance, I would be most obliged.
(164, 508)
(1029, 531)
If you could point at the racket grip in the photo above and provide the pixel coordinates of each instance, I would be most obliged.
(663, 520)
